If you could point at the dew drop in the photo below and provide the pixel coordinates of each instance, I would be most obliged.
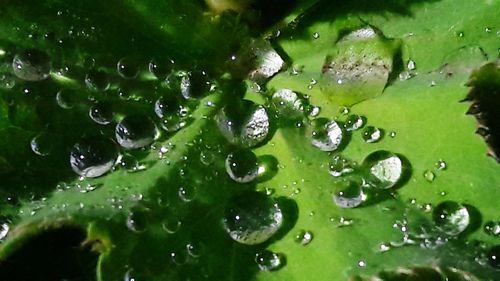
(304, 237)
(385, 169)
(441, 165)
(326, 135)
(42, 144)
(4, 230)
(354, 122)
(171, 225)
(288, 104)
(137, 221)
(207, 157)
(252, 218)
(269, 261)
(372, 134)
(411, 65)
(101, 113)
(130, 276)
(127, 68)
(242, 166)
(178, 257)
(339, 166)
(194, 249)
(160, 69)
(316, 35)
(93, 157)
(135, 131)
(97, 80)
(187, 193)
(451, 217)
(66, 99)
(166, 106)
(429, 175)
(494, 257)
(351, 195)
(32, 65)
(492, 228)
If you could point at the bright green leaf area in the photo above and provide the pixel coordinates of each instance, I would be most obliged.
(132, 214)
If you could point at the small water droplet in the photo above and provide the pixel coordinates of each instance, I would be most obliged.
(487, 29)
(315, 110)
(351, 195)
(207, 157)
(135, 131)
(160, 69)
(385, 169)
(269, 261)
(326, 135)
(93, 157)
(460, 34)
(361, 263)
(372, 134)
(252, 218)
(494, 256)
(101, 113)
(411, 65)
(354, 122)
(492, 228)
(451, 217)
(242, 166)
(4, 230)
(194, 249)
(441, 165)
(42, 144)
(429, 175)
(316, 35)
(97, 80)
(130, 276)
(171, 225)
(392, 134)
(32, 65)
(66, 98)
(187, 193)
(304, 237)
(179, 257)
(127, 68)
(384, 247)
(137, 220)
(288, 104)
(166, 106)
(340, 166)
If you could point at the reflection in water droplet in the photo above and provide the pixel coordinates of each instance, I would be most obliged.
(354, 122)
(252, 218)
(372, 134)
(42, 144)
(288, 104)
(385, 169)
(269, 261)
(135, 131)
(451, 217)
(340, 166)
(326, 135)
(93, 157)
(32, 65)
(304, 237)
(429, 175)
(492, 228)
(242, 166)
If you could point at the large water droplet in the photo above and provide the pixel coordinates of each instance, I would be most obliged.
(269, 261)
(326, 135)
(135, 131)
(288, 104)
(32, 65)
(384, 168)
(244, 123)
(451, 217)
(242, 166)
(93, 157)
(252, 218)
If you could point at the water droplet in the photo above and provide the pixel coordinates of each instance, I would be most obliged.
(127, 68)
(315, 110)
(252, 218)
(193, 84)
(385, 169)
(207, 157)
(179, 257)
(288, 104)
(354, 122)
(130, 276)
(460, 34)
(384, 247)
(441, 165)
(244, 123)
(32, 65)
(372, 134)
(494, 257)
(351, 195)
(166, 106)
(326, 135)
(339, 166)
(429, 175)
(93, 157)
(4, 230)
(269, 261)
(304, 237)
(316, 35)
(361, 263)
(7, 81)
(451, 217)
(242, 166)
(492, 228)
(97, 80)
(194, 249)
(392, 134)
(135, 131)
(160, 69)
(101, 113)
(171, 225)
(66, 98)
(411, 65)
(187, 193)
(137, 220)
(42, 144)
(266, 60)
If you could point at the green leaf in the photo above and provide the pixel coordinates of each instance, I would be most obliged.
(162, 212)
